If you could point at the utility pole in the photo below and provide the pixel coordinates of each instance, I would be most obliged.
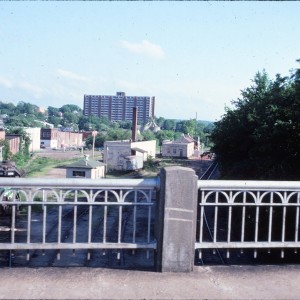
(195, 127)
(94, 133)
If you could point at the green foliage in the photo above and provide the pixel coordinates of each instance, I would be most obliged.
(40, 165)
(159, 121)
(23, 155)
(20, 159)
(70, 108)
(164, 135)
(150, 164)
(24, 114)
(260, 138)
(126, 124)
(189, 127)
(148, 135)
(6, 154)
(169, 124)
(113, 134)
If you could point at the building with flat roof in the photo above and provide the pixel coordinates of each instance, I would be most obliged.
(127, 155)
(55, 138)
(184, 147)
(86, 168)
(119, 107)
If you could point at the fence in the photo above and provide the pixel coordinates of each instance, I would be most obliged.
(248, 215)
(77, 214)
(173, 215)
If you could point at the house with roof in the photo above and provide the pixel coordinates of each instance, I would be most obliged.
(86, 168)
(184, 147)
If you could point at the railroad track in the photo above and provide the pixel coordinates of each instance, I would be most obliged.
(210, 173)
(116, 229)
(234, 256)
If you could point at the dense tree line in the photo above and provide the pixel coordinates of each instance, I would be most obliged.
(260, 137)
(70, 117)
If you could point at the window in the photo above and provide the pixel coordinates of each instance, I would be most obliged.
(174, 150)
(78, 174)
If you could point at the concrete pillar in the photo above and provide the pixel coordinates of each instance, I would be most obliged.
(176, 224)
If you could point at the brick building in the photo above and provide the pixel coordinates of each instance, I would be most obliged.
(55, 138)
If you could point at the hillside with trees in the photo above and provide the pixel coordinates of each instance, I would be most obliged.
(260, 137)
(70, 118)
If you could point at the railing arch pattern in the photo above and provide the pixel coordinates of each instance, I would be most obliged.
(70, 200)
(248, 215)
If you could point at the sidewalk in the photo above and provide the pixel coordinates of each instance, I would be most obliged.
(218, 282)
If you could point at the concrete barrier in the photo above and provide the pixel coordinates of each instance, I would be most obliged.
(176, 223)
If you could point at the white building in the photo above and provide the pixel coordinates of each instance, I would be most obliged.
(127, 155)
(35, 138)
(183, 147)
(86, 168)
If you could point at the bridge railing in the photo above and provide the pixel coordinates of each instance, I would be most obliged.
(63, 213)
(248, 215)
(181, 215)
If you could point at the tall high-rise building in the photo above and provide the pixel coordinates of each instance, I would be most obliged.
(119, 107)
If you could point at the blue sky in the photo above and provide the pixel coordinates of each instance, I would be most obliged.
(194, 57)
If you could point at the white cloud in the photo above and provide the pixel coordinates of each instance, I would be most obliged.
(144, 48)
(5, 82)
(71, 75)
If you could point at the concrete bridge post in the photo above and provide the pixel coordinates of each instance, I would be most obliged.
(176, 224)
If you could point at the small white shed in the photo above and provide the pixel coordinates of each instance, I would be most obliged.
(86, 168)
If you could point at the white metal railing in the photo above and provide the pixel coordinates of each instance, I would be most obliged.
(248, 215)
(77, 213)
(118, 214)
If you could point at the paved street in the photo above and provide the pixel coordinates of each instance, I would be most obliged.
(221, 282)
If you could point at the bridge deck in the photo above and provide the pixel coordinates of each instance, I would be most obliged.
(222, 282)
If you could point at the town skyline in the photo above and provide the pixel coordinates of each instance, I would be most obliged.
(193, 57)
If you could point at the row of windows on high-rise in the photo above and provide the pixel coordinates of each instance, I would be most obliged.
(119, 107)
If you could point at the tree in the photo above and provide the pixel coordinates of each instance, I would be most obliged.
(69, 119)
(52, 111)
(7, 108)
(148, 135)
(125, 124)
(115, 134)
(169, 124)
(159, 121)
(70, 108)
(164, 135)
(55, 120)
(260, 137)
(27, 108)
(189, 127)
(6, 154)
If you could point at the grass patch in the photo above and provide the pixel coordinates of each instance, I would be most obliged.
(41, 165)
